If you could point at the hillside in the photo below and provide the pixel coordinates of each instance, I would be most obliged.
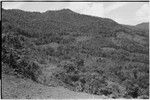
(81, 53)
(144, 26)
(27, 89)
(55, 21)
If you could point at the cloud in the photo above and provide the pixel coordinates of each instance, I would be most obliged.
(115, 6)
(142, 13)
(12, 5)
(95, 8)
(88, 8)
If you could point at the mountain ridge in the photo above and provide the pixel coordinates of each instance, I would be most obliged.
(65, 10)
(144, 26)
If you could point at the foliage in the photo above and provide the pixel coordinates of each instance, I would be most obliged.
(102, 65)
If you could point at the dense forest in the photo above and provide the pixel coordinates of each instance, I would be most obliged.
(79, 52)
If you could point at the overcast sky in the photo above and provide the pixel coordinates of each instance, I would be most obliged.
(130, 13)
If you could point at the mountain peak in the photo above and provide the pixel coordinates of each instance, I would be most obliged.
(66, 10)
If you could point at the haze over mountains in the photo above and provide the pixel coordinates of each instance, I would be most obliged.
(80, 52)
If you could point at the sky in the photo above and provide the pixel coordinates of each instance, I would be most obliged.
(129, 13)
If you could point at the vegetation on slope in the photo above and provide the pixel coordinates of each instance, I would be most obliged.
(82, 53)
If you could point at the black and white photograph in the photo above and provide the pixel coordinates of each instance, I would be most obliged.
(75, 49)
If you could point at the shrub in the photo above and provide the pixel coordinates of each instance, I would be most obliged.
(28, 68)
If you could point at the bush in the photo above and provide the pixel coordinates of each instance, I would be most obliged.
(28, 68)
(105, 91)
(17, 55)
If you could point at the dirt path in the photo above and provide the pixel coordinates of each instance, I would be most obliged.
(13, 88)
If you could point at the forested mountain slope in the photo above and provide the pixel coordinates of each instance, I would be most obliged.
(82, 53)
(144, 26)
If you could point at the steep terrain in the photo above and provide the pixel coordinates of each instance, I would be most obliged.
(18, 88)
(144, 26)
(79, 52)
